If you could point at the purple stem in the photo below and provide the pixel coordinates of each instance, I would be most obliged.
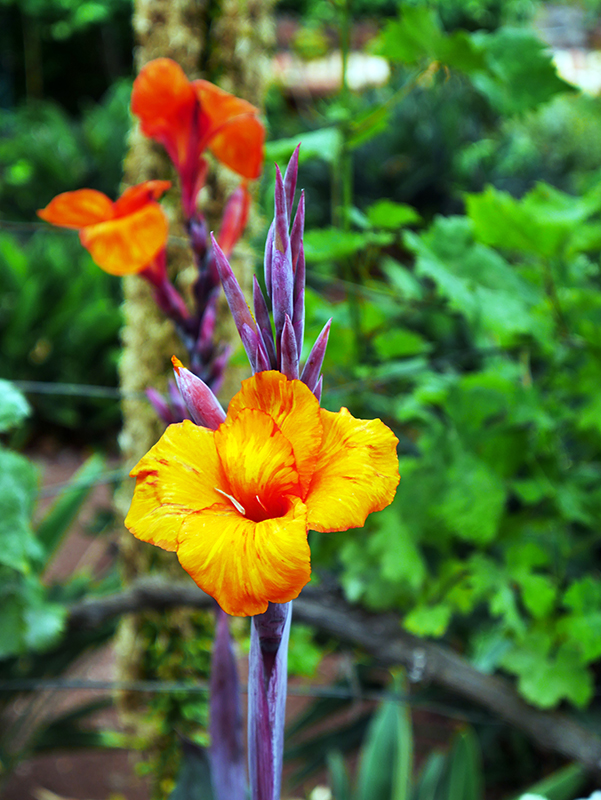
(267, 681)
(226, 751)
(299, 300)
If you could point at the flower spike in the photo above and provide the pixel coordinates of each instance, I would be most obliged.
(205, 409)
(263, 322)
(290, 179)
(288, 350)
(310, 375)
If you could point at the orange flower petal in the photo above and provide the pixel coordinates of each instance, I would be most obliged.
(135, 197)
(239, 145)
(245, 565)
(294, 409)
(356, 472)
(234, 133)
(126, 245)
(166, 104)
(78, 209)
(259, 463)
(175, 478)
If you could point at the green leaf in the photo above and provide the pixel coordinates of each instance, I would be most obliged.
(18, 491)
(431, 779)
(519, 74)
(560, 785)
(413, 37)
(400, 342)
(386, 757)
(477, 282)
(538, 594)
(324, 144)
(331, 244)
(14, 408)
(546, 678)
(543, 223)
(429, 620)
(465, 780)
(338, 776)
(473, 501)
(194, 778)
(389, 215)
(57, 520)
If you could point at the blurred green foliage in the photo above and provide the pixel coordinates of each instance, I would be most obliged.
(59, 322)
(33, 641)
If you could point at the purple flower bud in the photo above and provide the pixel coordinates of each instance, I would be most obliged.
(310, 374)
(263, 322)
(235, 298)
(268, 258)
(318, 389)
(288, 349)
(160, 405)
(281, 240)
(205, 409)
(298, 228)
(299, 300)
(282, 283)
(290, 178)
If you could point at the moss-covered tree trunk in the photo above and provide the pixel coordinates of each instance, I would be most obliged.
(226, 42)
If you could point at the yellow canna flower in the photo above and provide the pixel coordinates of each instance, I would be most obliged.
(236, 503)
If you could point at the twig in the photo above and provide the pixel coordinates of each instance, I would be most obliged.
(382, 637)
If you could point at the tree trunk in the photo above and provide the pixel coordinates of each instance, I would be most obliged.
(225, 42)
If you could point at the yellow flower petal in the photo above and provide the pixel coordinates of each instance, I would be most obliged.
(243, 564)
(356, 472)
(178, 476)
(295, 410)
(259, 463)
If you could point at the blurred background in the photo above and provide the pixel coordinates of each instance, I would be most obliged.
(451, 158)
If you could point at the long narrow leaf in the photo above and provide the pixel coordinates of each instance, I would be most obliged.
(57, 521)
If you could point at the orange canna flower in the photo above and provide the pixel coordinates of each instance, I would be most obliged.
(236, 504)
(122, 237)
(187, 117)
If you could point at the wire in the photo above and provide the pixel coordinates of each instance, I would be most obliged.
(203, 687)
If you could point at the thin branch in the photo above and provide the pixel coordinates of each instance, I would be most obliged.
(382, 637)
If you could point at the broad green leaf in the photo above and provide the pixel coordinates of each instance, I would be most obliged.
(324, 144)
(545, 222)
(546, 678)
(429, 620)
(400, 342)
(473, 501)
(18, 491)
(389, 215)
(14, 408)
(477, 282)
(519, 73)
(413, 37)
(538, 594)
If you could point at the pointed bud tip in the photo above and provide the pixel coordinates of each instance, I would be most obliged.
(177, 364)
